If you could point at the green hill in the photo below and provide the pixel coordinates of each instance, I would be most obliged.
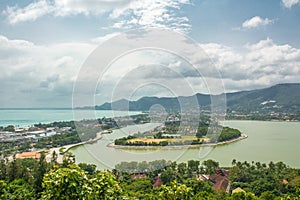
(281, 98)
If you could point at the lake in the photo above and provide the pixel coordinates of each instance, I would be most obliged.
(28, 117)
(267, 141)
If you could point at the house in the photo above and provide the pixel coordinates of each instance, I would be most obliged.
(138, 176)
(203, 177)
(30, 154)
(220, 179)
(171, 136)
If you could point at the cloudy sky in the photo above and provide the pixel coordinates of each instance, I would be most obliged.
(44, 44)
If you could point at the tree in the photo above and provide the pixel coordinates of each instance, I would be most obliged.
(182, 168)
(17, 189)
(202, 131)
(193, 166)
(39, 171)
(73, 183)
(65, 183)
(13, 169)
(89, 168)
(168, 176)
(54, 158)
(104, 186)
(267, 195)
(9, 128)
(176, 191)
(210, 166)
(68, 159)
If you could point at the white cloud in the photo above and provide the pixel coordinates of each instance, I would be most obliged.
(256, 22)
(154, 13)
(39, 74)
(40, 8)
(255, 65)
(44, 75)
(123, 13)
(104, 38)
(29, 13)
(290, 3)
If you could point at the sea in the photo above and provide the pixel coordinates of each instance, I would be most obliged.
(28, 117)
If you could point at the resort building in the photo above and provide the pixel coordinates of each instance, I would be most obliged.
(30, 154)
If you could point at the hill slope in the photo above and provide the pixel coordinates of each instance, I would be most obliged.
(281, 98)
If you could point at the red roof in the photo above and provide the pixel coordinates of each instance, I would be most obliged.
(220, 179)
(30, 154)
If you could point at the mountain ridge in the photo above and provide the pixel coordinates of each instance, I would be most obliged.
(284, 97)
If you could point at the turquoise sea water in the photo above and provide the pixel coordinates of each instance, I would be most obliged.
(28, 117)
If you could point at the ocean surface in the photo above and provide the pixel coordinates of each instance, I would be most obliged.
(28, 117)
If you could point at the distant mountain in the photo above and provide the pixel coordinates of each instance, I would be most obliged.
(280, 98)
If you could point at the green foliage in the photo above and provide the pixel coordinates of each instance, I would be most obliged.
(210, 166)
(228, 134)
(137, 188)
(73, 183)
(176, 191)
(16, 190)
(260, 178)
(202, 131)
(103, 186)
(168, 176)
(40, 168)
(65, 183)
(22, 179)
(89, 168)
(9, 128)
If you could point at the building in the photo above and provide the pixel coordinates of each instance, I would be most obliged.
(171, 136)
(220, 179)
(30, 154)
(138, 176)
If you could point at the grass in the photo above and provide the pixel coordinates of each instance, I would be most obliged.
(150, 140)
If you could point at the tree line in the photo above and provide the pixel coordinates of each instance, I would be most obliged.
(38, 179)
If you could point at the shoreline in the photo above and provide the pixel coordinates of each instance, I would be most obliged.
(242, 137)
(66, 148)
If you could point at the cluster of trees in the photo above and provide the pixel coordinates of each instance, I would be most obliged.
(58, 140)
(59, 124)
(268, 181)
(141, 118)
(229, 134)
(179, 180)
(37, 179)
(9, 128)
(123, 140)
(264, 117)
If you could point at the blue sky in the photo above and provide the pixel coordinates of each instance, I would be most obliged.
(43, 43)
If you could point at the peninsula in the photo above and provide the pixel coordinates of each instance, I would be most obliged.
(173, 135)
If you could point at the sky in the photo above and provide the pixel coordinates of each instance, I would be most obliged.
(45, 43)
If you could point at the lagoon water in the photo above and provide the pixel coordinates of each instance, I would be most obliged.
(267, 141)
(28, 117)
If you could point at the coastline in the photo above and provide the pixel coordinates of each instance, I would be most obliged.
(66, 148)
(243, 136)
